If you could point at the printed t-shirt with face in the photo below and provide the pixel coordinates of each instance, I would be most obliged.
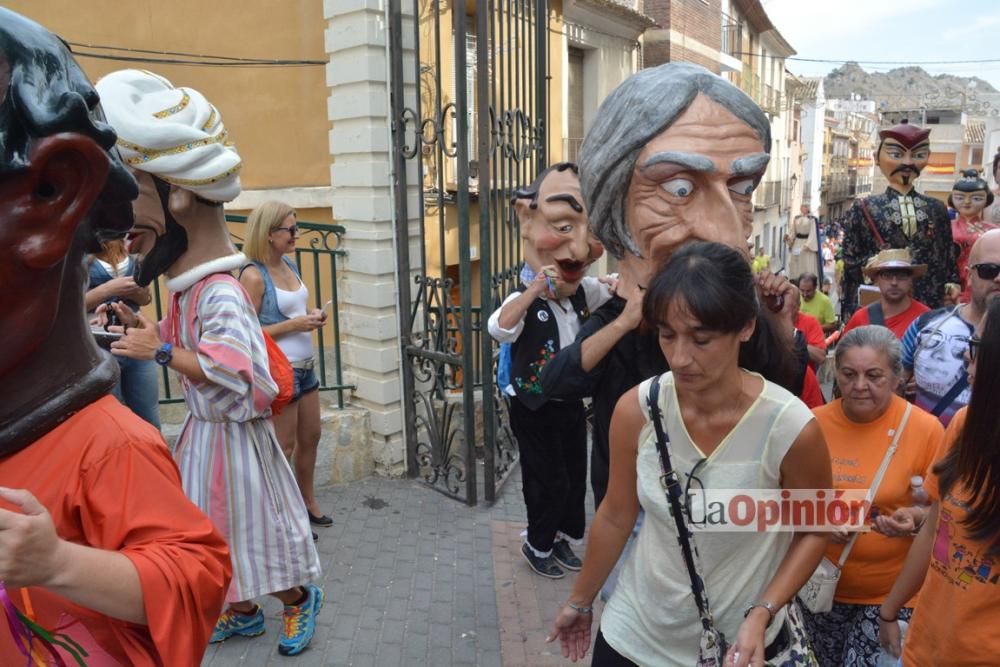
(898, 323)
(954, 619)
(934, 349)
(856, 451)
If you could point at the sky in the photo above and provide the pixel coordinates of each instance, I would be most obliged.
(890, 30)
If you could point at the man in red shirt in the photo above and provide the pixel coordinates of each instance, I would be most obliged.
(812, 331)
(893, 273)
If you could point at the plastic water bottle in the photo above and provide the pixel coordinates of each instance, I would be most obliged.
(918, 491)
(886, 659)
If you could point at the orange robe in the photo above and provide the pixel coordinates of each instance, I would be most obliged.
(109, 482)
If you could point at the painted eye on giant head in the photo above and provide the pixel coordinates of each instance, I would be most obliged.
(743, 187)
(678, 187)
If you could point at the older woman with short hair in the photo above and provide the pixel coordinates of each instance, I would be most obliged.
(859, 428)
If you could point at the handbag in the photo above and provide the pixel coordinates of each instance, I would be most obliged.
(817, 594)
(712, 646)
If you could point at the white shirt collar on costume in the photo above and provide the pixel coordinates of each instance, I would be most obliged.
(217, 265)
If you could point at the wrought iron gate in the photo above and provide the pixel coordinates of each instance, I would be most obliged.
(469, 91)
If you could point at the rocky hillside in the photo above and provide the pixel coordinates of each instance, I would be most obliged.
(905, 87)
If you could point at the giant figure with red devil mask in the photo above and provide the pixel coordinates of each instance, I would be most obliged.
(900, 217)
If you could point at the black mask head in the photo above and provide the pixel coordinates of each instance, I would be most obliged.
(168, 247)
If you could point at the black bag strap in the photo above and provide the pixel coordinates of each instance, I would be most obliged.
(949, 398)
(871, 225)
(876, 315)
(672, 488)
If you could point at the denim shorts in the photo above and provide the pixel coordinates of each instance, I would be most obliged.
(305, 382)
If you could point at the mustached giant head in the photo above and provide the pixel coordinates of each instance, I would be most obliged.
(902, 154)
(554, 227)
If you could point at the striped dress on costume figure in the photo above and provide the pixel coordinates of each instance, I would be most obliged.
(229, 458)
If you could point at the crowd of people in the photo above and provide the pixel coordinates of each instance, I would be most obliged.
(700, 365)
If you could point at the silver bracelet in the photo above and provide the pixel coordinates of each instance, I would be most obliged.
(763, 605)
(580, 610)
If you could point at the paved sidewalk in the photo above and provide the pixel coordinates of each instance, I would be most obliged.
(415, 578)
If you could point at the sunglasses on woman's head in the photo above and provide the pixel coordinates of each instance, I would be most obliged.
(986, 271)
(974, 343)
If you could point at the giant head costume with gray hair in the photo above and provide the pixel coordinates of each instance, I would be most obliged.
(177, 144)
(673, 155)
(62, 189)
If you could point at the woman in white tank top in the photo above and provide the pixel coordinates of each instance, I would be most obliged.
(281, 300)
(727, 429)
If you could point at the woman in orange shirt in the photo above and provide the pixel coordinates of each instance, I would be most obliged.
(859, 429)
(955, 619)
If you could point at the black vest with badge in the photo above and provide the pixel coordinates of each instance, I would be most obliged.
(537, 344)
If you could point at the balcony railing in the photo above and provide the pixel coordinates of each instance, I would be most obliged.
(770, 100)
(732, 36)
(768, 194)
(836, 188)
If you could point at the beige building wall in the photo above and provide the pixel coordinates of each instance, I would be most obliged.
(275, 115)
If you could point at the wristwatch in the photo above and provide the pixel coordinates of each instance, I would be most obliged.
(164, 354)
(765, 605)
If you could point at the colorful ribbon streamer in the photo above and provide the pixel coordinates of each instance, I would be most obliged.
(27, 632)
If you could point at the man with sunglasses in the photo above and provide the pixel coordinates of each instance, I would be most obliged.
(934, 346)
(893, 273)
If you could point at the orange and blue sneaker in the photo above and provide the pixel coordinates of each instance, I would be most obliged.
(234, 623)
(300, 622)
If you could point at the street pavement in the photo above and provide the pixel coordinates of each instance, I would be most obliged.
(415, 578)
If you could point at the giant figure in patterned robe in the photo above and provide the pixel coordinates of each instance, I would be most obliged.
(229, 457)
(900, 217)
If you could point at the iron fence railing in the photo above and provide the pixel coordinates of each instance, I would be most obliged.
(317, 253)
(450, 321)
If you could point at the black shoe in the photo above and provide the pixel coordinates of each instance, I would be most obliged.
(564, 555)
(315, 537)
(544, 566)
(320, 521)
